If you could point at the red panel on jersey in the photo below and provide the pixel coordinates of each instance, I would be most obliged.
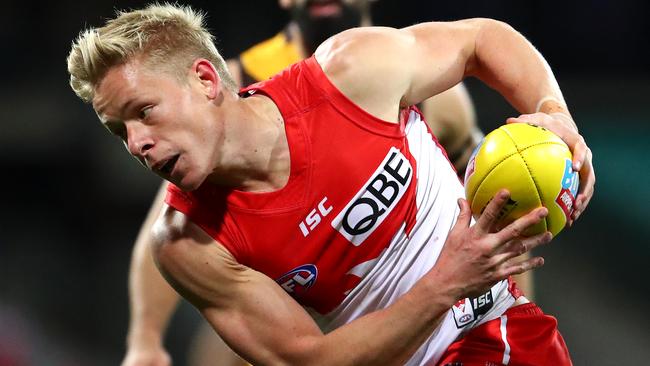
(336, 148)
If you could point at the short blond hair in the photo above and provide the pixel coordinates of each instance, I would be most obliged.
(164, 36)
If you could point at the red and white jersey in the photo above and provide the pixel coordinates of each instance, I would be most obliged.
(364, 215)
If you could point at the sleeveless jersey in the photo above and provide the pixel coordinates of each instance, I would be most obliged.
(363, 216)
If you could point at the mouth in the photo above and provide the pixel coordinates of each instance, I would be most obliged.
(325, 8)
(168, 167)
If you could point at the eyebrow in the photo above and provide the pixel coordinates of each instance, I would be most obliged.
(121, 109)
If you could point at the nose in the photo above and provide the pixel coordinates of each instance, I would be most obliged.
(139, 140)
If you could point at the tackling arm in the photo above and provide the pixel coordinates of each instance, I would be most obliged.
(452, 120)
(152, 300)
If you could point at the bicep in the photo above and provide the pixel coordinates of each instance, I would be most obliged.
(246, 308)
(440, 56)
(376, 65)
(450, 114)
(264, 324)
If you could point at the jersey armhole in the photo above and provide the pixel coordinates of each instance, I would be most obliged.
(214, 221)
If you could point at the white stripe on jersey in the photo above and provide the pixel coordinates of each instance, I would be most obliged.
(408, 258)
(504, 333)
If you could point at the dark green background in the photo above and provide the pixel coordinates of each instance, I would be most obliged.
(72, 199)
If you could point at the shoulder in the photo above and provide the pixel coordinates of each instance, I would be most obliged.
(360, 49)
(180, 245)
(173, 226)
(365, 64)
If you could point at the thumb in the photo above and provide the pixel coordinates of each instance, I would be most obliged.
(465, 214)
(512, 120)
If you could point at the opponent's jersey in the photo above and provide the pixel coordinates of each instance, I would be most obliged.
(363, 216)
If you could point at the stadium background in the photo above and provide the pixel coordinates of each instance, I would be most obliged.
(72, 199)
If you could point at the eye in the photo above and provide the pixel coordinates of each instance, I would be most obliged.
(144, 112)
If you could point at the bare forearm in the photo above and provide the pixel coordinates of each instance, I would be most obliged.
(152, 299)
(525, 281)
(390, 336)
(384, 337)
(507, 62)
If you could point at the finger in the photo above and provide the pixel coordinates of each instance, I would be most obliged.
(465, 214)
(518, 227)
(524, 118)
(539, 119)
(490, 214)
(586, 191)
(522, 245)
(518, 268)
(579, 152)
(587, 184)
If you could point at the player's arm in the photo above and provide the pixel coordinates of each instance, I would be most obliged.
(152, 300)
(502, 58)
(375, 66)
(266, 326)
(452, 119)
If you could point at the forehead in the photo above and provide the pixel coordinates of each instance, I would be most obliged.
(117, 82)
(125, 83)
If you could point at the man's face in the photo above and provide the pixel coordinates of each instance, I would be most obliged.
(162, 122)
(320, 19)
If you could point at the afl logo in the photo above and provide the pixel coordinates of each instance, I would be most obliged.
(465, 319)
(378, 197)
(297, 281)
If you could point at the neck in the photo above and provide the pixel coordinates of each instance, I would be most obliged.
(254, 155)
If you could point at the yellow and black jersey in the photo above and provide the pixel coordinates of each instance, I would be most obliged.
(268, 58)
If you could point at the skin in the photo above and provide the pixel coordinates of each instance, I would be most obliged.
(449, 114)
(247, 308)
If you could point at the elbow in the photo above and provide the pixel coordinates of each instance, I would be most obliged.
(309, 351)
(291, 352)
(489, 24)
(492, 39)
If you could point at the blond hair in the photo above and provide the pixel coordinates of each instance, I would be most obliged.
(167, 37)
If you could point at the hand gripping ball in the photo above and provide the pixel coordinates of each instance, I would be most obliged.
(534, 165)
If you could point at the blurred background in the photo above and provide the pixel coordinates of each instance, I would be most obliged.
(73, 200)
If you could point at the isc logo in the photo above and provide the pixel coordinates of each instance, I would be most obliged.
(314, 217)
(299, 279)
(370, 206)
(468, 310)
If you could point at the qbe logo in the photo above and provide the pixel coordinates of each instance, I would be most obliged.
(298, 280)
(379, 195)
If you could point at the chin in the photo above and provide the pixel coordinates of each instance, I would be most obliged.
(189, 183)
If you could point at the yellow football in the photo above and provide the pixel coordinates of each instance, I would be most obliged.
(534, 165)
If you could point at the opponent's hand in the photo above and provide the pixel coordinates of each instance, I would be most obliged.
(563, 126)
(477, 257)
(149, 356)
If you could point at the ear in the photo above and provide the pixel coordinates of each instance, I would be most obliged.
(205, 74)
